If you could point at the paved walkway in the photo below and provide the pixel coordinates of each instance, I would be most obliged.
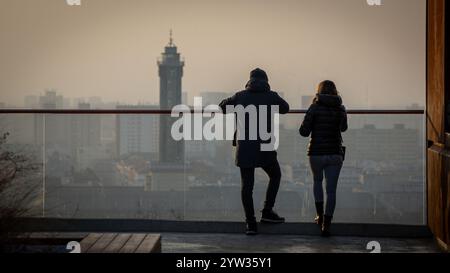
(237, 243)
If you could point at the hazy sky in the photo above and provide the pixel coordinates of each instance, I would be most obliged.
(109, 48)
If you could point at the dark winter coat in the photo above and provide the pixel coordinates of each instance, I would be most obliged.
(257, 93)
(324, 121)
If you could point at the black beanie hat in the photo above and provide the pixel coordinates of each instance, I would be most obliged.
(259, 74)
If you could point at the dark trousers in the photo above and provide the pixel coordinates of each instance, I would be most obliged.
(248, 182)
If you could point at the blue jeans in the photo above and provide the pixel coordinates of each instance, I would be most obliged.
(331, 166)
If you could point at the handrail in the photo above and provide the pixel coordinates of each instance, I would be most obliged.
(168, 112)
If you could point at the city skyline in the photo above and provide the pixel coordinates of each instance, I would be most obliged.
(97, 102)
(136, 154)
(53, 48)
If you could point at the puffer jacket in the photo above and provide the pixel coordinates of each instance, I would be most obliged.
(324, 121)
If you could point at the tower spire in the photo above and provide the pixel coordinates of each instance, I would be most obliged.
(170, 68)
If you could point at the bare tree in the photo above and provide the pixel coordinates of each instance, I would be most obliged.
(17, 188)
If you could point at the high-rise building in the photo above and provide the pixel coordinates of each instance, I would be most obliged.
(51, 100)
(138, 134)
(170, 74)
(52, 130)
(85, 129)
(85, 139)
(397, 145)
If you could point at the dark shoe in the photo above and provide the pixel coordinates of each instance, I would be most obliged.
(270, 216)
(319, 214)
(326, 226)
(252, 228)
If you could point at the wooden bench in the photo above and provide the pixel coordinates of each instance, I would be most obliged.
(121, 243)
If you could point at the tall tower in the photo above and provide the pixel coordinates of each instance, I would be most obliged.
(170, 74)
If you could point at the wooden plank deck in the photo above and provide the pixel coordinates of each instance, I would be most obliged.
(121, 243)
(133, 243)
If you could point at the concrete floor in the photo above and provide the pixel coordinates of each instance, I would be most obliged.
(237, 243)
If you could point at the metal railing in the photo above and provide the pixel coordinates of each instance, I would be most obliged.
(164, 112)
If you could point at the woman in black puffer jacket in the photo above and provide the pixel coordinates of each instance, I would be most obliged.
(325, 120)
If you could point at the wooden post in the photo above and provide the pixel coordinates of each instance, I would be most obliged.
(438, 155)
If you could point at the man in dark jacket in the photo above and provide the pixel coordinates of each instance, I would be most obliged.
(249, 153)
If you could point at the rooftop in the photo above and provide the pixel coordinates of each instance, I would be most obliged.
(239, 243)
(228, 237)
